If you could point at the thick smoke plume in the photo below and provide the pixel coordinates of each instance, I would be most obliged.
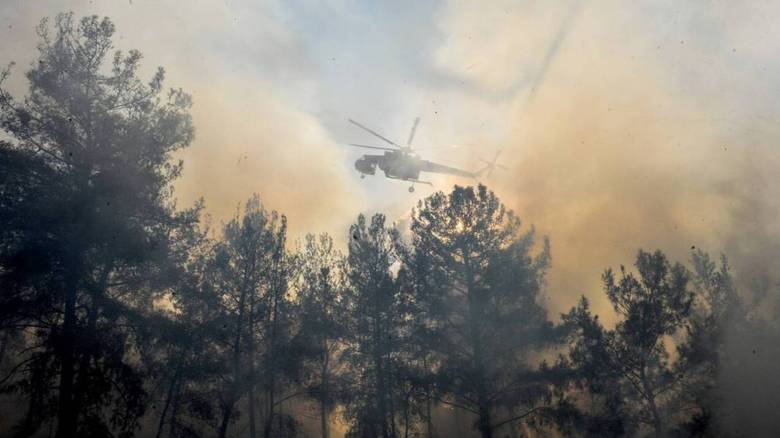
(625, 126)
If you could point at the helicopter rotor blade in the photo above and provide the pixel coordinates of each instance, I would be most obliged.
(495, 158)
(372, 147)
(411, 134)
(375, 133)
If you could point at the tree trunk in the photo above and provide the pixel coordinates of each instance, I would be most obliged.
(324, 419)
(3, 346)
(324, 395)
(227, 412)
(475, 318)
(277, 286)
(657, 421)
(66, 412)
(428, 408)
(269, 420)
(251, 354)
(380, 376)
(268, 427)
(173, 423)
(406, 417)
(390, 415)
(650, 397)
(252, 409)
(325, 367)
(271, 395)
(428, 417)
(234, 387)
(168, 397)
(172, 388)
(484, 418)
(81, 372)
(391, 404)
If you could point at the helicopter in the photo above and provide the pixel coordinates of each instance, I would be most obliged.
(399, 162)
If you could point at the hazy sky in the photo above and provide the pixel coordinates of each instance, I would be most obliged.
(625, 124)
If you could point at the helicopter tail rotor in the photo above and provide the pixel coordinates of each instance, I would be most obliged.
(491, 165)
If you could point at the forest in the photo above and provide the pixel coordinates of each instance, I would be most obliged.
(124, 314)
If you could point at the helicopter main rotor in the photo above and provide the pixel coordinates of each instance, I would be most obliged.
(405, 149)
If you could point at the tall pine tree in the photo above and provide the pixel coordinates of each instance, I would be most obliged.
(79, 270)
(480, 284)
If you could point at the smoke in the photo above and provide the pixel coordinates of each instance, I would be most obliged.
(552, 52)
(250, 136)
(654, 127)
(618, 149)
(648, 125)
(257, 145)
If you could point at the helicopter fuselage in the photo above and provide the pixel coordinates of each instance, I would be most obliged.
(400, 163)
(397, 165)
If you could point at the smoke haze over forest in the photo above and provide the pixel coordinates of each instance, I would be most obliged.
(624, 126)
(651, 124)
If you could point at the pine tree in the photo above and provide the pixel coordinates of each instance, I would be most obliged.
(373, 325)
(82, 265)
(479, 283)
(251, 264)
(633, 355)
(322, 321)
